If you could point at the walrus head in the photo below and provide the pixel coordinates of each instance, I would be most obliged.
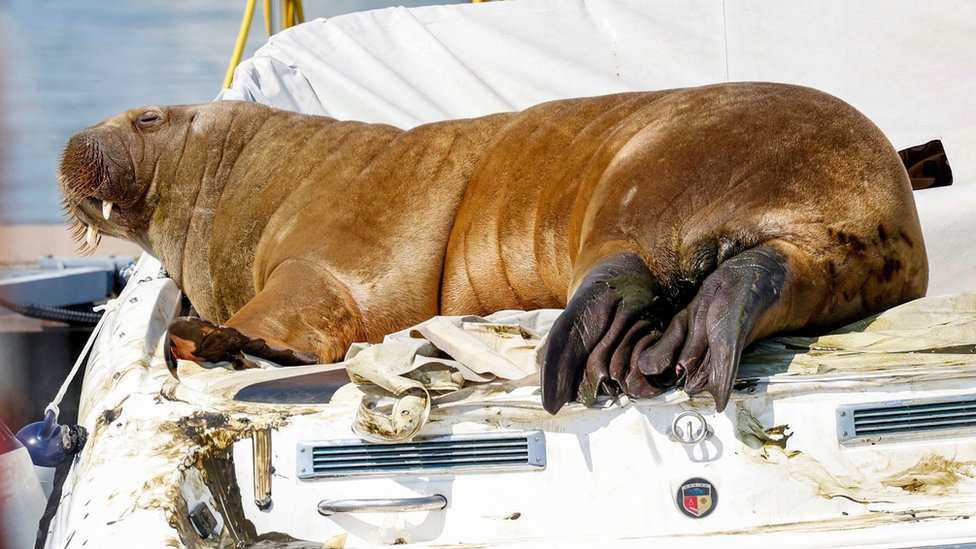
(107, 173)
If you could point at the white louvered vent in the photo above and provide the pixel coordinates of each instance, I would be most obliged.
(901, 419)
(445, 455)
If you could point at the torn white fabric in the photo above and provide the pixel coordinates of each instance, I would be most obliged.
(440, 356)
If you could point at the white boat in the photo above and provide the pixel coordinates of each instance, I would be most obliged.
(864, 438)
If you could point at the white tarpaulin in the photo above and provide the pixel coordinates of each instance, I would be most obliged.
(440, 356)
(910, 66)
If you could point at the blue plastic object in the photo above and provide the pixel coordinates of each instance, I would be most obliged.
(43, 440)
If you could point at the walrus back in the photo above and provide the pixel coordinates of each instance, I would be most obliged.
(686, 179)
(511, 245)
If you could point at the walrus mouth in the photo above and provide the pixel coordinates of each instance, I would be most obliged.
(83, 172)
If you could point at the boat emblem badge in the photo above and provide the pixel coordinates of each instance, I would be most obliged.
(697, 497)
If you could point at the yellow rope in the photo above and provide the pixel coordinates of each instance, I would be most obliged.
(293, 14)
(241, 39)
(289, 14)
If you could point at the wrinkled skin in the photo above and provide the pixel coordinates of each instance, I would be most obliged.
(675, 227)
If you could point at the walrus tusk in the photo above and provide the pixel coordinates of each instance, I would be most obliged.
(91, 236)
(106, 209)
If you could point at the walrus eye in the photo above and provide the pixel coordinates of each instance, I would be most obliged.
(149, 118)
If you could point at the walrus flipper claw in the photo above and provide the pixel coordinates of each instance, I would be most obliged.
(574, 334)
(192, 338)
(605, 314)
(721, 319)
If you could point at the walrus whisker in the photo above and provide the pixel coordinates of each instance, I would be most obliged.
(82, 172)
(88, 248)
(76, 229)
(82, 235)
(84, 250)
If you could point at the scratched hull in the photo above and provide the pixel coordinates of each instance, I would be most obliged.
(779, 471)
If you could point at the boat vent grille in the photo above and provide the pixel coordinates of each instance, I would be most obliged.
(907, 418)
(446, 455)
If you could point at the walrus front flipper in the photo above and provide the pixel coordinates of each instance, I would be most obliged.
(192, 338)
(705, 341)
(605, 314)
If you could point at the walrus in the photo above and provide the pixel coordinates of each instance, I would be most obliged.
(675, 227)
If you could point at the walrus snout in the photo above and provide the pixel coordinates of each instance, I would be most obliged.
(96, 164)
(82, 169)
(92, 180)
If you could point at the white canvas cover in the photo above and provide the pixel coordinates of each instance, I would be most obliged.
(910, 66)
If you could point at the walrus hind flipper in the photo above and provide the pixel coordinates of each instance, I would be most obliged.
(192, 338)
(705, 341)
(590, 346)
(608, 337)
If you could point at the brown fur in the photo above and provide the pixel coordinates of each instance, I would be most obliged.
(313, 233)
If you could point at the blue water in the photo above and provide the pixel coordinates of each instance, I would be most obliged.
(67, 64)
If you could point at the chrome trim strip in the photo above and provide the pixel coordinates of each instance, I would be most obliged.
(452, 454)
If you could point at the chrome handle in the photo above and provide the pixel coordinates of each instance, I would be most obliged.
(329, 507)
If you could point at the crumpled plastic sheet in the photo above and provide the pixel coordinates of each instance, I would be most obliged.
(440, 356)
(932, 336)
(444, 354)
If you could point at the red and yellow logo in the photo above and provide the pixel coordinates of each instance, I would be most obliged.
(697, 497)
